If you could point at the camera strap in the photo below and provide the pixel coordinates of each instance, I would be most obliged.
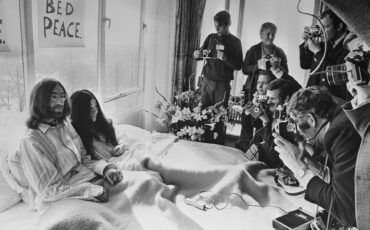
(317, 133)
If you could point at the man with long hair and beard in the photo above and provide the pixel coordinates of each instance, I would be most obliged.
(96, 131)
(53, 162)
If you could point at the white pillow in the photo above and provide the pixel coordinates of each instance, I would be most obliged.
(12, 128)
(8, 197)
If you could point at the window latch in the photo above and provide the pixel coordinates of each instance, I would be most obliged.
(108, 20)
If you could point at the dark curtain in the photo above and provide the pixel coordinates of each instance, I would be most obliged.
(189, 18)
(319, 7)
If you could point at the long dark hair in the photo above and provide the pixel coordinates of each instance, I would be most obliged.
(39, 101)
(83, 124)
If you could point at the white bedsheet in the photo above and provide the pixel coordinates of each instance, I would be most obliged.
(19, 217)
(182, 155)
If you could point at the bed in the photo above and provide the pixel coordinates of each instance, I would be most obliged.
(161, 172)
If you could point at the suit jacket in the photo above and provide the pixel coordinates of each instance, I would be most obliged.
(334, 56)
(361, 120)
(264, 141)
(341, 142)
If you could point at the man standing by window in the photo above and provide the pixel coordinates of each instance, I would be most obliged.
(222, 54)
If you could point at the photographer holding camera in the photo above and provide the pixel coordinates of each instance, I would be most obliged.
(320, 119)
(312, 50)
(261, 148)
(254, 107)
(223, 54)
(355, 14)
(263, 56)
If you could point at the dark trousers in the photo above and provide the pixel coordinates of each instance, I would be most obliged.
(246, 134)
(213, 92)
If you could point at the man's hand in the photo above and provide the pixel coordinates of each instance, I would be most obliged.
(261, 63)
(306, 33)
(113, 176)
(313, 45)
(255, 99)
(290, 154)
(360, 93)
(275, 67)
(221, 55)
(103, 197)
(118, 150)
(275, 62)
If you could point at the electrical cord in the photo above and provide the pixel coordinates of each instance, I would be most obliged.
(324, 33)
(331, 202)
(214, 205)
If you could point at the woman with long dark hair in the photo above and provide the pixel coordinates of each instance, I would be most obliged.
(96, 131)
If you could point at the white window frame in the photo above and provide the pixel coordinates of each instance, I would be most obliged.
(101, 55)
(28, 57)
(28, 54)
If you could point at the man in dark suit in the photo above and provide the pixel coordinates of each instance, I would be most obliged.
(261, 148)
(311, 52)
(320, 119)
(355, 14)
(358, 111)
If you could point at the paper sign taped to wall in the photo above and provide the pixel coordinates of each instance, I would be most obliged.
(3, 38)
(61, 23)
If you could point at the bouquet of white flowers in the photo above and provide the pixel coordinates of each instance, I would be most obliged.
(186, 118)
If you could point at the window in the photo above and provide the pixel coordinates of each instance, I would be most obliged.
(11, 66)
(288, 36)
(75, 67)
(122, 47)
(289, 27)
(211, 8)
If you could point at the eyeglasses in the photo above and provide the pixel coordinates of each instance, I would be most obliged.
(55, 97)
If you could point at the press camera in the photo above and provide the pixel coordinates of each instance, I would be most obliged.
(285, 126)
(315, 32)
(355, 69)
(257, 110)
(269, 61)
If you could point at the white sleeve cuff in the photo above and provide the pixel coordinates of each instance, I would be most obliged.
(100, 166)
(305, 178)
(95, 190)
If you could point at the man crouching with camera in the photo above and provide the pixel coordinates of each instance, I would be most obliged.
(253, 109)
(320, 119)
(261, 148)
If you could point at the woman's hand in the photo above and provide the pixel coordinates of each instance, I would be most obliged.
(120, 149)
(113, 176)
(103, 197)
